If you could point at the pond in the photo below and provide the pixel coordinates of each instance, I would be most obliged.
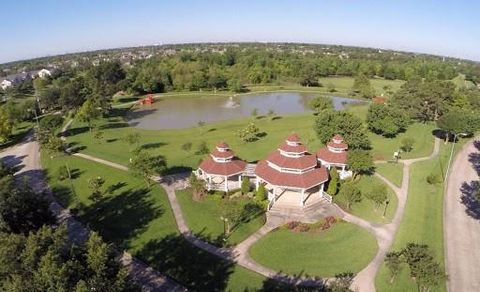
(178, 113)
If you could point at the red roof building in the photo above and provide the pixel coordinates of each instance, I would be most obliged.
(222, 169)
(291, 168)
(334, 154)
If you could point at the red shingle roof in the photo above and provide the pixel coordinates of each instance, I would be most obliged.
(300, 163)
(293, 137)
(332, 157)
(223, 145)
(300, 148)
(222, 154)
(232, 167)
(305, 180)
(340, 146)
(338, 137)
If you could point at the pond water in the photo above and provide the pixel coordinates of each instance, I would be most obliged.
(178, 113)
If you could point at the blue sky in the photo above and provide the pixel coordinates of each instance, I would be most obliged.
(38, 28)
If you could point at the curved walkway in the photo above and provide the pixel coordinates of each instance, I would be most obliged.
(27, 156)
(364, 281)
(461, 220)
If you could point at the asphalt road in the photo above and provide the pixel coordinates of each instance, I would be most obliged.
(462, 221)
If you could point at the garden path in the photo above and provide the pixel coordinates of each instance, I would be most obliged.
(364, 281)
(26, 155)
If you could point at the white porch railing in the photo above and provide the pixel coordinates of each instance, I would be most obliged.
(327, 197)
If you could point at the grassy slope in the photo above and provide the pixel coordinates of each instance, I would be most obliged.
(422, 133)
(343, 86)
(142, 222)
(423, 218)
(365, 209)
(204, 218)
(168, 142)
(391, 171)
(344, 247)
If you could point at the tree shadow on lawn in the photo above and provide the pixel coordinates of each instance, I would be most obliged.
(281, 282)
(122, 217)
(195, 268)
(76, 131)
(153, 145)
(115, 125)
(474, 158)
(468, 198)
(75, 147)
(13, 161)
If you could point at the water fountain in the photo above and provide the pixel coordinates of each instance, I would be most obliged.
(231, 103)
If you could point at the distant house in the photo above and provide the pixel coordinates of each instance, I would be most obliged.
(6, 83)
(44, 73)
(15, 79)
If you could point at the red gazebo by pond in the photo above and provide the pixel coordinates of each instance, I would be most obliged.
(222, 170)
(291, 174)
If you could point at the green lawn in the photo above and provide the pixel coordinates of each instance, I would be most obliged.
(18, 132)
(342, 248)
(168, 142)
(383, 148)
(344, 84)
(203, 217)
(423, 218)
(366, 208)
(142, 222)
(391, 171)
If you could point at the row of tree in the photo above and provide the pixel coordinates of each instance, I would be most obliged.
(37, 255)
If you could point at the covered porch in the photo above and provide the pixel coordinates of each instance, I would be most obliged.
(292, 197)
(215, 182)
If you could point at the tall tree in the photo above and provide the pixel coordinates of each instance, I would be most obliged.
(351, 193)
(360, 162)
(334, 181)
(320, 103)
(363, 87)
(145, 165)
(329, 122)
(386, 120)
(89, 111)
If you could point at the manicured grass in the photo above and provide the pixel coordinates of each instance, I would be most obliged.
(391, 171)
(130, 215)
(203, 217)
(342, 248)
(142, 222)
(168, 142)
(383, 148)
(423, 219)
(18, 132)
(366, 208)
(344, 84)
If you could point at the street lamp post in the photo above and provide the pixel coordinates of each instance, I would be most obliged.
(225, 220)
(451, 154)
(386, 205)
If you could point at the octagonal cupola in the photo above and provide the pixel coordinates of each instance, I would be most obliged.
(292, 147)
(337, 144)
(222, 153)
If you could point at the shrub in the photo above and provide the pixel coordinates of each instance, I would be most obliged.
(202, 148)
(292, 225)
(187, 146)
(62, 172)
(433, 179)
(261, 194)
(407, 144)
(245, 185)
